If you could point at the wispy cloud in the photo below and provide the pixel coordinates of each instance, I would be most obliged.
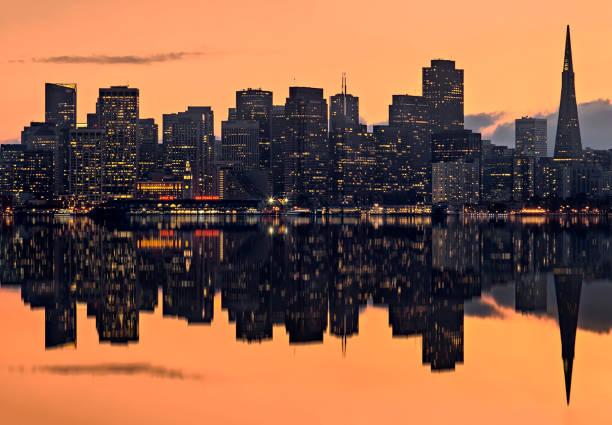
(106, 369)
(478, 122)
(482, 309)
(114, 59)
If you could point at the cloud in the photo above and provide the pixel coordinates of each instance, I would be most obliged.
(595, 125)
(105, 369)
(114, 59)
(478, 122)
(480, 308)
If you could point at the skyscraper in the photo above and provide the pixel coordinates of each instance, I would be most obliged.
(256, 104)
(60, 104)
(343, 142)
(278, 124)
(306, 153)
(188, 146)
(530, 136)
(85, 165)
(443, 88)
(60, 110)
(240, 143)
(412, 115)
(148, 147)
(568, 145)
(118, 113)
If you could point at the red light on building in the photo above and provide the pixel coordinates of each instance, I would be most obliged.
(207, 198)
(166, 198)
(166, 233)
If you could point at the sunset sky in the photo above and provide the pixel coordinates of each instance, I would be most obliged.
(192, 52)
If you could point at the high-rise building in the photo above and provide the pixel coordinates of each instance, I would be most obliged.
(118, 114)
(456, 159)
(60, 110)
(343, 144)
(12, 159)
(412, 115)
(496, 166)
(523, 177)
(188, 139)
(85, 165)
(256, 104)
(531, 137)
(148, 147)
(306, 147)
(278, 125)
(443, 88)
(568, 144)
(240, 141)
(60, 104)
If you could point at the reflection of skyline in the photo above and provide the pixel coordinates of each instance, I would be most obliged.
(310, 277)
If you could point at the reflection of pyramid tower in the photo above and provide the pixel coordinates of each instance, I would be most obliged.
(568, 288)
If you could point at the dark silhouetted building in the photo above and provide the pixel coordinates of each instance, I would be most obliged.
(148, 149)
(443, 88)
(256, 105)
(306, 147)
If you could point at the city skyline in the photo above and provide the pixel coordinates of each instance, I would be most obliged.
(522, 88)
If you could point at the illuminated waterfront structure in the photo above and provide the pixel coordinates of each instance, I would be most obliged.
(306, 147)
(118, 114)
(443, 88)
(165, 190)
(568, 144)
(256, 105)
(85, 165)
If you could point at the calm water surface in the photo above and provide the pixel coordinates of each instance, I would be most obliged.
(276, 321)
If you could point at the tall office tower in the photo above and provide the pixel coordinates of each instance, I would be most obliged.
(568, 145)
(148, 151)
(188, 146)
(343, 144)
(443, 88)
(531, 137)
(496, 166)
(256, 104)
(240, 142)
(412, 114)
(12, 159)
(60, 109)
(278, 124)
(306, 148)
(231, 114)
(523, 178)
(118, 113)
(37, 173)
(60, 104)
(46, 136)
(456, 167)
(386, 147)
(85, 165)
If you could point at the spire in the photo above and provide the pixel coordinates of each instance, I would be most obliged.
(567, 371)
(567, 62)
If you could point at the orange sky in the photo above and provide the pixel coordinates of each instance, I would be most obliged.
(511, 51)
(512, 374)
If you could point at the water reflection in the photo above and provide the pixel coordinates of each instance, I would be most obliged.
(302, 273)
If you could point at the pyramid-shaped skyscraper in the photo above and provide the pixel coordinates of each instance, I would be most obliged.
(568, 145)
